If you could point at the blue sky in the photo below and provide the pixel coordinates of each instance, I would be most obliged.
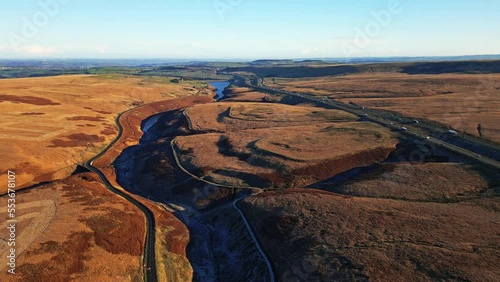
(247, 29)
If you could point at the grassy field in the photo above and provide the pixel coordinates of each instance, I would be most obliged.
(50, 124)
(462, 101)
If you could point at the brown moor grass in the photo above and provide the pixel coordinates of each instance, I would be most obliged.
(460, 100)
(94, 235)
(310, 234)
(49, 124)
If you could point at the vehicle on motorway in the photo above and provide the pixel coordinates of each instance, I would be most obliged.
(452, 132)
(404, 128)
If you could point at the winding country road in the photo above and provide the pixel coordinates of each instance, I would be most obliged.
(255, 240)
(149, 262)
(173, 143)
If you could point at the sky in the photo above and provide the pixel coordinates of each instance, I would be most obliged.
(247, 29)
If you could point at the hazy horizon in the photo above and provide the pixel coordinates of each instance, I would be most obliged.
(480, 56)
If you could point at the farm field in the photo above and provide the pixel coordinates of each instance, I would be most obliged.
(462, 101)
(50, 124)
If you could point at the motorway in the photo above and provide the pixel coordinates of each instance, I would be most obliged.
(149, 262)
(407, 126)
(485, 161)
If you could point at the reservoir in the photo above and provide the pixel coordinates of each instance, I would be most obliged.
(220, 86)
(150, 122)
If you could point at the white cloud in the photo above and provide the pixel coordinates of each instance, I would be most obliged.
(102, 49)
(4, 48)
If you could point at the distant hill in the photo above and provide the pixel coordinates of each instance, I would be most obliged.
(453, 67)
(295, 71)
(272, 62)
(364, 60)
